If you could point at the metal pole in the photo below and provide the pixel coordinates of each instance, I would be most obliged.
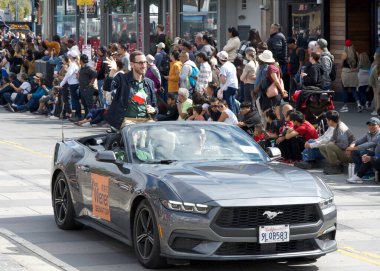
(16, 10)
(85, 24)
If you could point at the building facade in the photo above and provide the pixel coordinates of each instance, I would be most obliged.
(135, 21)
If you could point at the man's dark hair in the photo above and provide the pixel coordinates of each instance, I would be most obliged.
(245, 105)
(332, 115)
(119, 64)
(12, 75)
(84, 58)
(171, 96)
(135, 54)
(187, 45)
(214, 100)
(297, 116)
(233, 31)
(125, 47)
(56, 38)
(270, 114)
(175, 54)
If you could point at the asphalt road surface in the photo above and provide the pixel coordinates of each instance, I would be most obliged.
(29, 239)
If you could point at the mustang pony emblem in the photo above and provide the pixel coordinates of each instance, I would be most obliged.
(271, 215)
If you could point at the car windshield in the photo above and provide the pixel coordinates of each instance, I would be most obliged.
(169, 143)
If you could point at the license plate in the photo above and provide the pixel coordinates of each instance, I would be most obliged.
(273, 234)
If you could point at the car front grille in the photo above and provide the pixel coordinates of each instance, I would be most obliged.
(231, 249)
(252, 217)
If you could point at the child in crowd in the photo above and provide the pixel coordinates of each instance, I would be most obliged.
(259, 135)
(197, 113)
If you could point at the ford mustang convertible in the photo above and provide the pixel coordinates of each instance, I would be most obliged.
(191, 191)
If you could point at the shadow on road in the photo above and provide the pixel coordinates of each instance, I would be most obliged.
(88, 248)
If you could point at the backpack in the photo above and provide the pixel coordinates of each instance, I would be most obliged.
(333, 71)
(164, 65)
(193, 76)
(241, 51)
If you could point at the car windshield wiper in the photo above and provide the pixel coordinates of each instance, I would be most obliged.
(166, 162)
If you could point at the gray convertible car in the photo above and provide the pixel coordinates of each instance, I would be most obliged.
(191, 191)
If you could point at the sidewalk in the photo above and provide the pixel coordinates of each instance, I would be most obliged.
(17, 254)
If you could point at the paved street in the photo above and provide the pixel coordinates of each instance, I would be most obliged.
(29, 239)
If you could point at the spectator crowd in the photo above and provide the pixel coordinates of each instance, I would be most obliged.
(277, 91)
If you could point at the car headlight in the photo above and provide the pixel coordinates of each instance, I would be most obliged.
(326, 203)
(185, 206)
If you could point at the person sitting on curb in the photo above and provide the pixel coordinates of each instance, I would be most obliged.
(294, 139)
(370, 161)
(334, 150)
(365, 145)
(249, 117)
(311, 153)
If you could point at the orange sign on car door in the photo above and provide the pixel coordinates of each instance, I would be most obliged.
(100, 196)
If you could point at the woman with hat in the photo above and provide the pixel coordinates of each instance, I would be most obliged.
(248, 76)
(273, 76)
(350, 60)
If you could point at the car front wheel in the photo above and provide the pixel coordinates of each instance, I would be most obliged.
(63, 206)
(146, 240)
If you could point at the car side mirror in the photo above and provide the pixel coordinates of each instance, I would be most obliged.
(106, 156)
(274, 153)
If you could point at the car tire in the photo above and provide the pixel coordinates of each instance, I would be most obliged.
(146, 240)
(64, 213)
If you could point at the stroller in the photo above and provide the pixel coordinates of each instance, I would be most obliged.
(313, 103)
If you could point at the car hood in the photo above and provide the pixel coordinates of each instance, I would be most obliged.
(205, 182)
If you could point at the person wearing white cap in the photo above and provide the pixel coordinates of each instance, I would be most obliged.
(228, 81)
(72, 80)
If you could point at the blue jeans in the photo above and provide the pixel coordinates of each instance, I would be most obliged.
(354, 93)
(362, 91)
(19, 100)
(357, 159)
(311, 154)
(229, 96)
(75, 104)
(31, 105)
(100, 92)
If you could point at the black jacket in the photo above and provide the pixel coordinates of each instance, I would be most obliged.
(277, 44)
(314, 75)
(122, 83)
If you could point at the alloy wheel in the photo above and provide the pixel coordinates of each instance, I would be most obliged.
(145, 233)
(61, 200)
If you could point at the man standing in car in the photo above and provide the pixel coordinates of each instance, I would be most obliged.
(135, 100)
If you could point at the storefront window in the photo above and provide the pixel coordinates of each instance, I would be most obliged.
(197, 16)
(93, 25)
(66, 26)
(305, 22)
(123, 23)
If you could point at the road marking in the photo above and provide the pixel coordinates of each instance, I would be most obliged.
(360, 255)
(21, 147)
(42, 254)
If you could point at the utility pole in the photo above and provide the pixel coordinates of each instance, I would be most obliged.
(16, 11)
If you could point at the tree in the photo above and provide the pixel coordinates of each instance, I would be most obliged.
(24, 8)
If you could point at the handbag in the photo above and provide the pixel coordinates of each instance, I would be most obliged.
(272, 90)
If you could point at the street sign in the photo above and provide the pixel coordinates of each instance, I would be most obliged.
(85, 2)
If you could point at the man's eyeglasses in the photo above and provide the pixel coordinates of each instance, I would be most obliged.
(216, 106)
(140, 62)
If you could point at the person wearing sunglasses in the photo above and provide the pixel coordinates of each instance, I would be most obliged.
(227, 115)
(135, 99)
